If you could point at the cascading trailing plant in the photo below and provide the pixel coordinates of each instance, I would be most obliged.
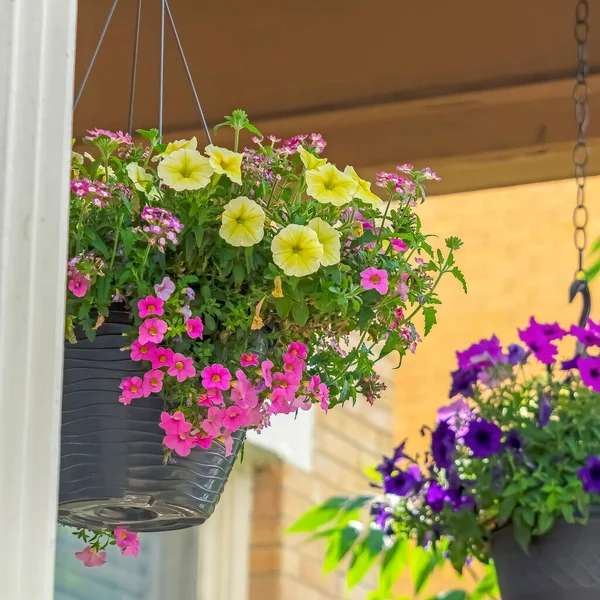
(519, 449)
(245, 273)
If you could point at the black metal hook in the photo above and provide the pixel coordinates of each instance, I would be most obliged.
(580, 286)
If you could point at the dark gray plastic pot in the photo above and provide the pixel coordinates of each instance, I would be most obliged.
(564, 564)
(112, 470)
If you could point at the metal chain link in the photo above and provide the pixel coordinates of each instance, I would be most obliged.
(580, 151)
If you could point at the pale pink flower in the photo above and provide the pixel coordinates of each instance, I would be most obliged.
(301, 403)
(403, 288)
(151, 306)
(195, 327)
(398, 245)
(153, 382)
(141, 351)
(164, 289)
(163, 357)
(171, 423)
(90, 557)
(181, 442)
(429, 174)
(127, 541)
(244, 394)
(323, 396)
(228, 443)
(79, 285)
(210, 397)
(280, 402)
(214, 420)
(153, 330)
(182, 367)
(249, 359)
(406, 167)
(288, 382)
(216, 376)
(186, 311)
(235, 417)
(299, 349)
(132, 388)
(254, 416)
(265, 368)
(313, 384)
(203, 440)
(375, 279)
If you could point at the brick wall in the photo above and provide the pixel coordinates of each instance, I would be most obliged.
(518, 259)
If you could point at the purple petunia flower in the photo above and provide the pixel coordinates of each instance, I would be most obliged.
(463, 381)
(542, 349)
(436, 497)
(513, 441)
(457, 415)
(443, 441)
(483, 438)
(589, 368)
(572, 363)
(402, 483)
(388, 465)
(588, 337)
(546, 331)
(381, 513)
(516, 354)
(545, 411)
(459, 500)
(164, 289)
(590, 475)
(482, 355)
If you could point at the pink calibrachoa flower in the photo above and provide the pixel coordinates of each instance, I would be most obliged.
(375, 279)
(265, 368)
(90, 557)
(288, 382)
(164, 289)
(301, 403)
(163, 357)
(228, 443)
(127, 541)
(323, 396)
(403, 289)
(298, 349)
(235, 417)
(280, 402)
(181, 442)
(213, 422)
(313, 384)
(79, 285)
(399, 245)
(153, 330)
(153, 382)
(292, 364)
(151, 306)
(216, 376)
(132, 388)
(171, 423)
(249, 360)
(141, 351)
(211, 397)
(194, 327)
(203, 440)
(182, 367)
(244, 394)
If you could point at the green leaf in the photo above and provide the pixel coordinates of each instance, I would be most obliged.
(429, 312)
(567, 513)
(422, 564)
(319, 515)
(238, 272)
(339, 545)
(453, 595)
(486, 587)
(521, 532)
(300, 313)
(544, 523)
(506, 507)
(393, 564)
(364, 556)
(453, 243)
(460, 277)
(99, 244)
(283, 306)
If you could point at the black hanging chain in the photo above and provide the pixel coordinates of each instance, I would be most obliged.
(580, 156)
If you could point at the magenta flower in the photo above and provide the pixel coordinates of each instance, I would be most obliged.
(153, 382)
(323, 397)
(164, 289)
(398, 245)
(292, 364)
(182, 367)
(211, 397)
(539, 344)
(249, 360)
(235, 417)
(151, 306)
(313, 384)
(194, 327)
(244, 393)
(588, 337)
(141, 351)
(228, 443)
(127, 541)
(288, 382)
(162, 357)
(171, 423)
(90, 557)
(153, 330)
(589, 368)
(117, 136)
(375, 279)
(79, 285)
(203, 440)
(132, 388)
(214, 421)
(216, 376)
(280, 403)
(181, 442)
(298, 349)
(265, 368)
(403, 288)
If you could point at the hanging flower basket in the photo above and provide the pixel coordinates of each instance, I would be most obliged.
(513, 473)
(209, 290)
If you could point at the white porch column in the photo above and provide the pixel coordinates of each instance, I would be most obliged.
(37, 46)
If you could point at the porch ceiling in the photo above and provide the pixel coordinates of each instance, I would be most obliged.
(481, 95)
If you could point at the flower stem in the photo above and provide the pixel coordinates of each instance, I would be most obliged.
(237, 140)
(114, 250)
(385, 214)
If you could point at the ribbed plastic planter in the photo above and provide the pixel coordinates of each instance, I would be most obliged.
(112, 470)
(564, 564)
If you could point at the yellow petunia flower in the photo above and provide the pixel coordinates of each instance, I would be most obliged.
(243, 222)
(329, 185)
(310, 161)
(226, 162)
(185, 169)
(297, 250)
(138, 176)
(363, 190)
(179, 145)
(330, 240)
